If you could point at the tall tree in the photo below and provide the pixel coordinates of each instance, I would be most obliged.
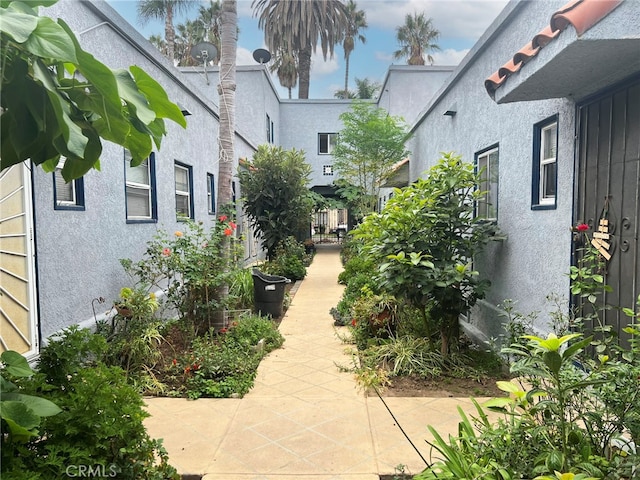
(163, 10)
(158, 42)
(211, 19)
(226, 136)
(366, 89)
(205, 28)
(417, 38)
(368, 146)
(227, 102)
(285, 64)
(277, 198)
(300, 24)
(356, 20)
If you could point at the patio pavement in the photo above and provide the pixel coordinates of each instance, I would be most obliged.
(304, 419)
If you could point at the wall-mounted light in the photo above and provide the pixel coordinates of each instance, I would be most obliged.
(184, 110)
(451, 111)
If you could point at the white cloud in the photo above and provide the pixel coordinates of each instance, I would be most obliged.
(320, 67)
(453, 18)
(449, 56)
(244, 57)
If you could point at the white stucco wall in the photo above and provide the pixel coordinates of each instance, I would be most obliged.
(78, 252)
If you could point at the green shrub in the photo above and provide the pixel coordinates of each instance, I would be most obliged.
(289, 260)
(249, 330)
(100, 426)
(241, 289)
(218, 368)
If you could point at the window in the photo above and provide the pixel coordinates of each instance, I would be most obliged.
(211, 194)
(140, 190)
(67, 196)
(326, 143)
(184, 189)
(327, 169)
(487, 167)
(545, 173)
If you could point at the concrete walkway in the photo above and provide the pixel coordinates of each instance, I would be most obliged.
(304, 419)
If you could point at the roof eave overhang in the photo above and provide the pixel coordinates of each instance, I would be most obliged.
(572, 67)
(400, 176)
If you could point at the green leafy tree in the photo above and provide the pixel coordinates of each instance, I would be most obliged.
(425, 240)
(301, 25)
(417, 38)
(58, 100)
(369, 145)
(276, 196)
(356, 20)
(163, 10)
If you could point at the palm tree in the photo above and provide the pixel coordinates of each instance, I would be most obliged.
(416, 38)
(189, 34)
(205, 28)
(344, 94)
(211, 18)
(163, 10)
(285, 64)
(158, 42)
(227, 88)
(227, 120)
(366, 88)
(356, 19)
(300, 24)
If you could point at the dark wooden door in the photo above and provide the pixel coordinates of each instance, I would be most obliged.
(609, 189)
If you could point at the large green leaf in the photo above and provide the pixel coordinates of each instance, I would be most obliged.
(38, 405)
(18, 414)
(17, 25)
(128, 90)
(50, 40)
(16, 364)
(157, 97)
(75, 141)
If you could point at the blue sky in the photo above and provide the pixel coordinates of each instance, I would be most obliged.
(460, 23)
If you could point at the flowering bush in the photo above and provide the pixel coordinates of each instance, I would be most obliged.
(190, 266)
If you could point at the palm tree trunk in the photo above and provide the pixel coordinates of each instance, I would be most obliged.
(170, 34)
(304, 72)
(346, 76)
(227, 102)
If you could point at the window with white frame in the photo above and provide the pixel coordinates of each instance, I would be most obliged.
(184, 190)
(326, 143)
(140, 189)
(67, 195)
(487, 166)
(211, 195)
(545, 156)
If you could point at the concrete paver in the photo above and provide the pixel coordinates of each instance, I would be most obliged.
(304, 419)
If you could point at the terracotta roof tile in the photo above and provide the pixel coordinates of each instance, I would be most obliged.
(581, 14)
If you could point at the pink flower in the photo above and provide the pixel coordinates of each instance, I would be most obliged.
(232, 225)
(582, 227)
(223, 330)
(228, 232)
(166, 252)
(222, 218)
